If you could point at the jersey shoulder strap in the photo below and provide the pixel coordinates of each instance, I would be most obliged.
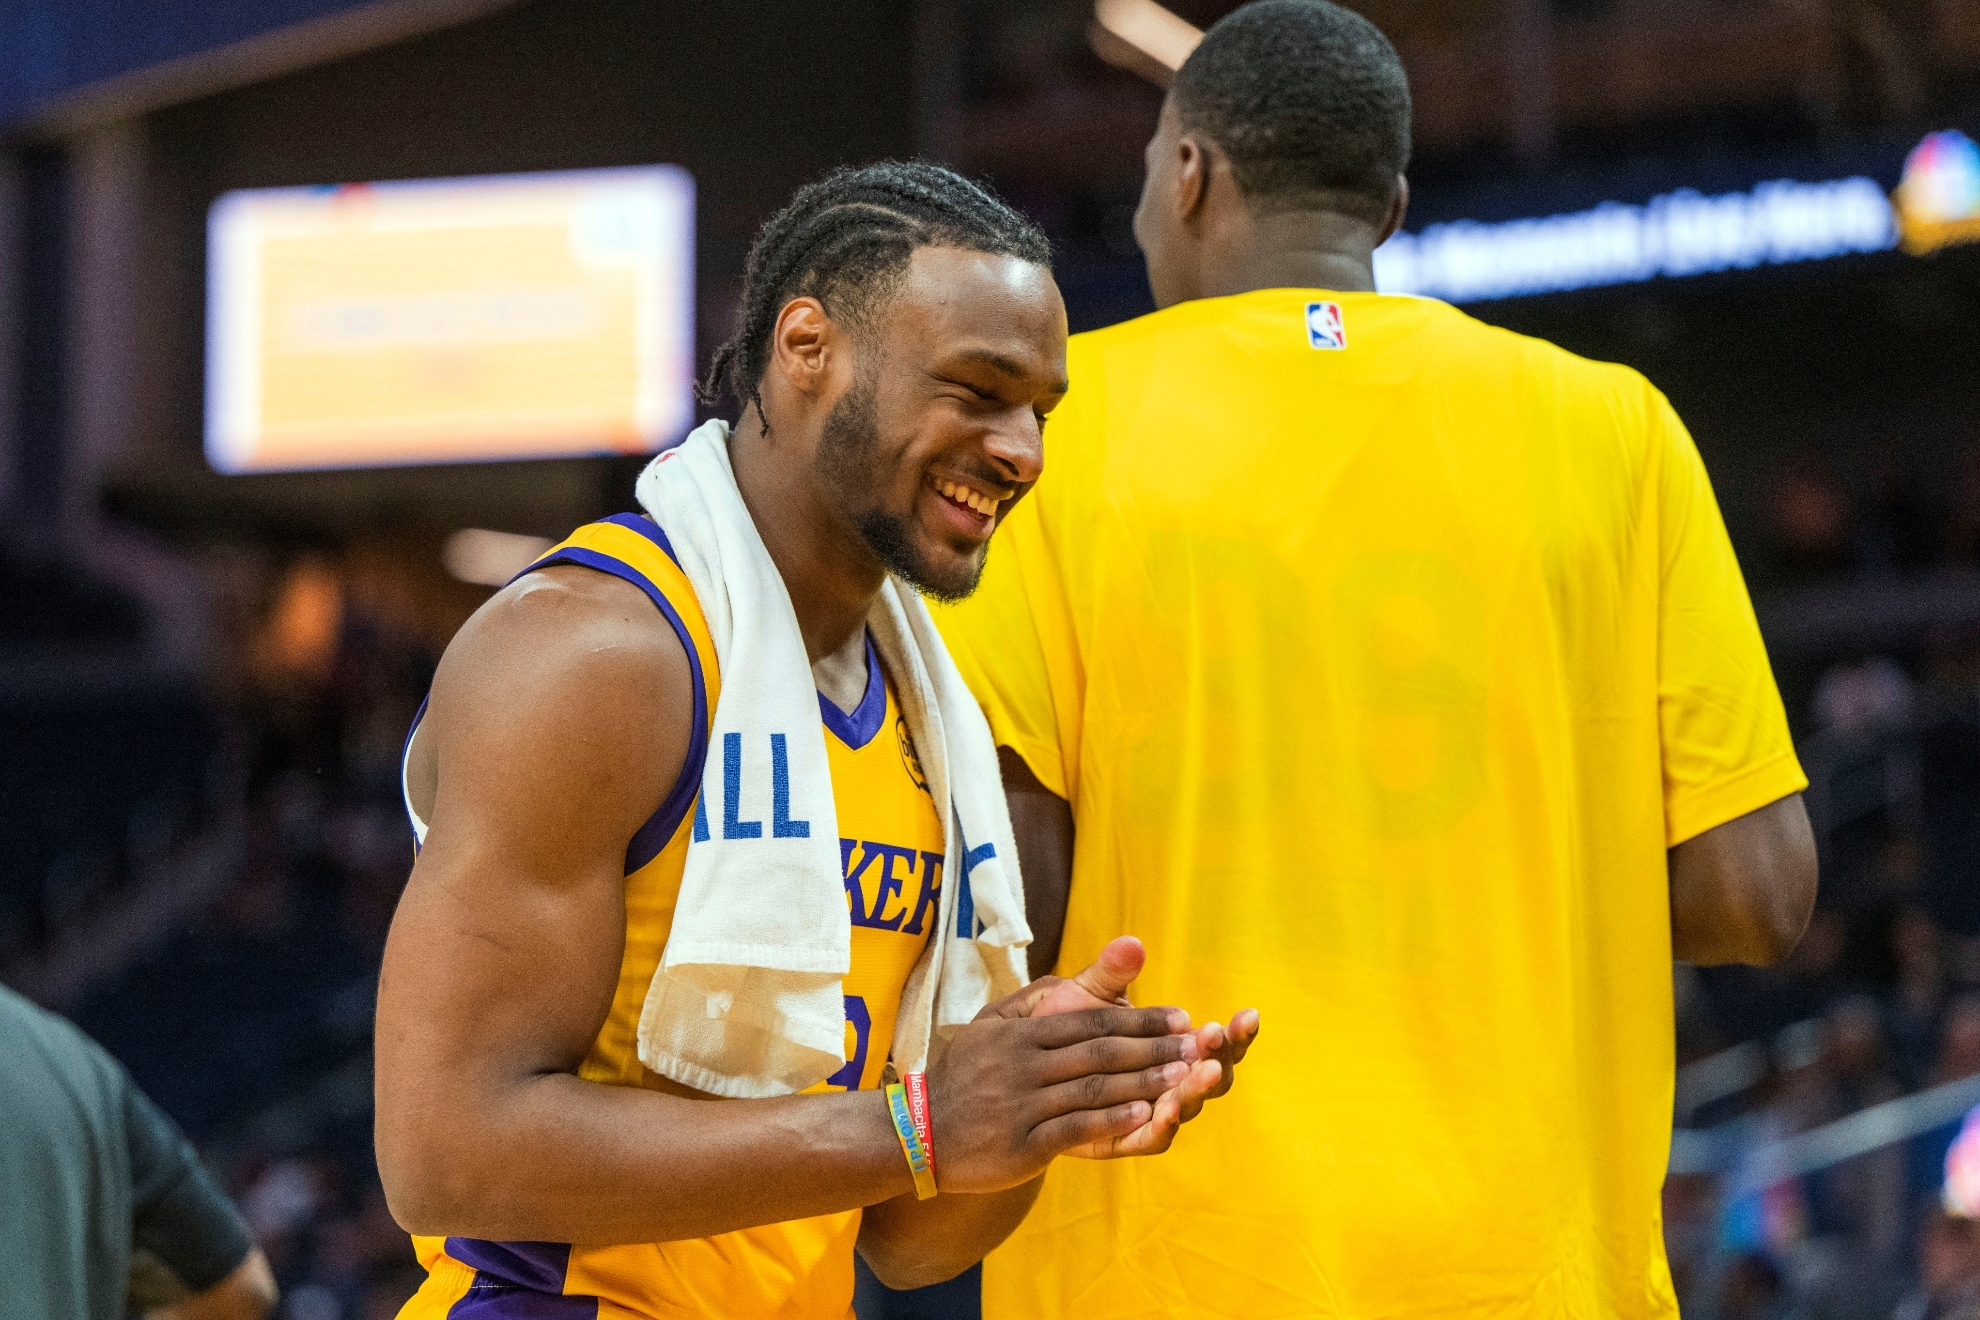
(631, 546)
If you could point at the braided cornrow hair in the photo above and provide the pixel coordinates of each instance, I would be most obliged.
(846, 240)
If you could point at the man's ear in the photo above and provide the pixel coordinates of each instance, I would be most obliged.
(1194, 162)
(1398, 208)
(801, 344)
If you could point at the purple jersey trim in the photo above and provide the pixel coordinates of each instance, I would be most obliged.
(651, 837)
(660, 826)
(538, 1265)
(857, 729)
(499, 1301)
(517, 1281)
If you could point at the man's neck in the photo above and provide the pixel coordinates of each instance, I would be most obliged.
(832, 577)
(841, 676)
(1292, 250)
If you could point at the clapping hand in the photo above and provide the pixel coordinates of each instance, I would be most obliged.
(1218, 1049)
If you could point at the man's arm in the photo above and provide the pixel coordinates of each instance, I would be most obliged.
(248, 1293)
(915, 1244)
(559, 719)
(203, 1264)
(1743, 891)
(1741, 886)
(1043, 824)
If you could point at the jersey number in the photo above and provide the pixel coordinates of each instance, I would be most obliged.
(861, 1023)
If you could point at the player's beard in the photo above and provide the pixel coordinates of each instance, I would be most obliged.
(847, 450)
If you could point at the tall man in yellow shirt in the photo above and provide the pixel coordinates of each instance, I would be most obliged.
(1393, 672)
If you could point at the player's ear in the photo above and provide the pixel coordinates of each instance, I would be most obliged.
(800, 344)
(1398, 208)
(1194, 162)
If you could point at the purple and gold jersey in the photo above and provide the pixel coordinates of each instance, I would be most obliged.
(890, 841)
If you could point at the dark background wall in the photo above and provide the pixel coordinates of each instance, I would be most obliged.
(753, 99)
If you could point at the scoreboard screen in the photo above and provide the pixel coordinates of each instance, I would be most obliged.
(450, 320)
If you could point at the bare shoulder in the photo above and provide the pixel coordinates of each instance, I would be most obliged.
(568, 688)
(566, 618)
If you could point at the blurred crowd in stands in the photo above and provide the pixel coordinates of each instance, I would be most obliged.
(248, 897)
(1894, 517)
(1882, 999)
(257, 885)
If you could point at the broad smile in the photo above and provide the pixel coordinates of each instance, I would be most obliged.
(970, 511)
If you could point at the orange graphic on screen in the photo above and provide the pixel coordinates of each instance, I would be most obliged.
(450, 321)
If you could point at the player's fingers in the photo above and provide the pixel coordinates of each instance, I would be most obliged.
(1108, 976)
(1084, 1127)
(1099, 1090)
(1242, 1033)
(1064, 1029)
(1204, 1080)
(1213, 1042)
(1152, 1137)
(1163, 1125)
(1114, 1054)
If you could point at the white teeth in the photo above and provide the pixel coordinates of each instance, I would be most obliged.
(968, 498)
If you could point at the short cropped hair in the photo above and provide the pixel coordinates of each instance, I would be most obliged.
(1309, 102)
(846, 240)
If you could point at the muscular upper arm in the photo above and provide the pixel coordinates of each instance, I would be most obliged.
(1742, 892)
(559, 719)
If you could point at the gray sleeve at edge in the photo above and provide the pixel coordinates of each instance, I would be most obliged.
(179, 1213)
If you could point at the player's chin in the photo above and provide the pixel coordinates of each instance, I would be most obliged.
(947, 571)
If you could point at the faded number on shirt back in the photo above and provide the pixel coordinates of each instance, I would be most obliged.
(1410, 627)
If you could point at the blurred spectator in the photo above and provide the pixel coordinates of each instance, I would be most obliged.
(112, 1211)
(1817, 960)
(1691, 1232)
(1959, 1043)
(1860, 699)
(1752, 1289)
(1855, 1057)
(1810, 520)
(1948, 1271)
(1862, 1200)
(1919, 997)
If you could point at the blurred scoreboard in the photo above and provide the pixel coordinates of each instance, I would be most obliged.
(450, 320)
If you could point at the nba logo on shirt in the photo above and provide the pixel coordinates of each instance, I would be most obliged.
(1323, 325)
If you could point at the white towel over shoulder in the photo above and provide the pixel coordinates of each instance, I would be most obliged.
(748, 998)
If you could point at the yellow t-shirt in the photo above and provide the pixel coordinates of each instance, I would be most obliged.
(1382, 655)
(890, 842)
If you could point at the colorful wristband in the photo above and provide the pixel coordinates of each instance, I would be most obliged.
(917, 1098)
(911, 1145)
